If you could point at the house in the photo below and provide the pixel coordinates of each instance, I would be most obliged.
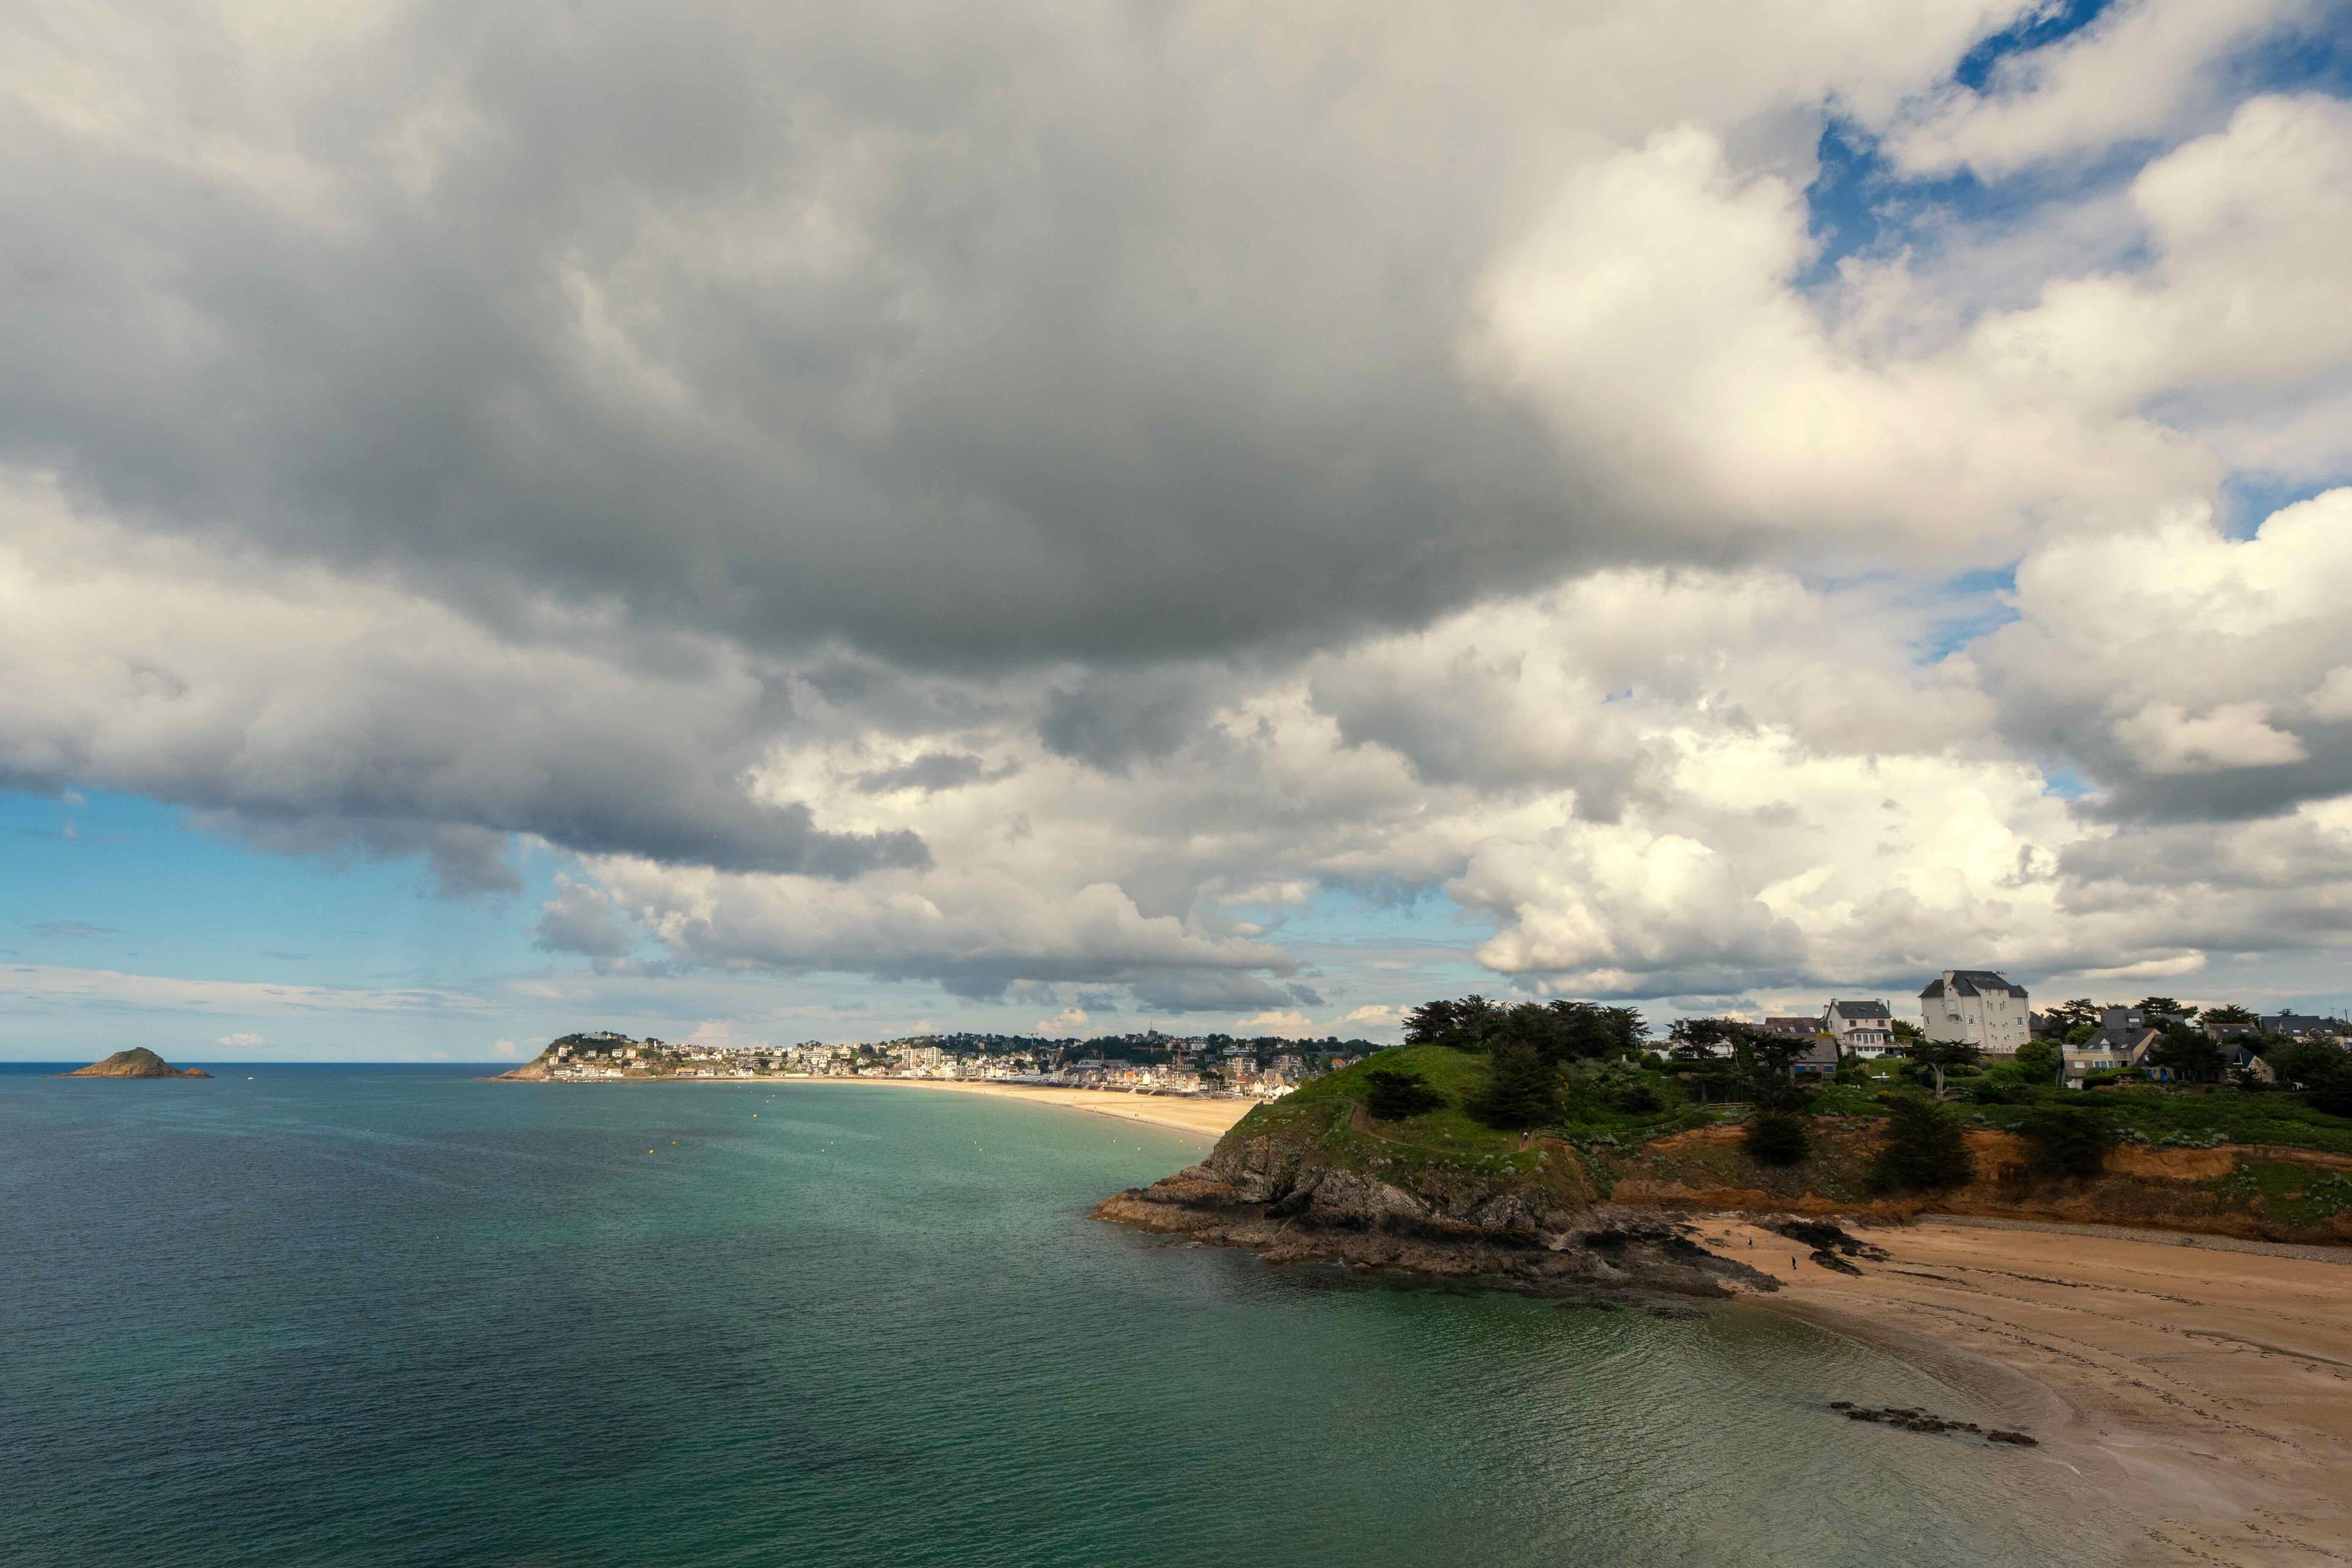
(2303, 1026)
(1820, 1060)
(1978, 1007)
(2236, 1058)
(2123, 1039)
(1862, 1029)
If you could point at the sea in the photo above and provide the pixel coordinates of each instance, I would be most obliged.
(400, 1315)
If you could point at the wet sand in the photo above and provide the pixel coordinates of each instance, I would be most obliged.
(2205, 1389)
(1209, 1118)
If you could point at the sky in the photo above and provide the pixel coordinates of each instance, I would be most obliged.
(769, 523)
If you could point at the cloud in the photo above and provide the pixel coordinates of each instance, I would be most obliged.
(1292, 1024)
(49, 985)
(69, 931)
(239, 1040)
(304, 713)
(2134, 72)
(1153, 511)
(1372, 1016)
(2188, 672)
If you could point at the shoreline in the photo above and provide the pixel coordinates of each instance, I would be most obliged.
(1177, 1113)
(2206, 1399)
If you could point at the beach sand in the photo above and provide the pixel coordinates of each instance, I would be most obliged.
(2205, 1387)
(1209, 1118)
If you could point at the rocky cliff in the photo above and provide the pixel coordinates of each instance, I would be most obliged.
(1318, 1179)
(137, 1062)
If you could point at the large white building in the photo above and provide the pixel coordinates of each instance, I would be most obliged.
(1976, 1007)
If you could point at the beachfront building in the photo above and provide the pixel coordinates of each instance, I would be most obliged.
(1862, 1029)
(1978, 1007)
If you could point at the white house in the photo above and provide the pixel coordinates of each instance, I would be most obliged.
(1864, 1029)
(1976, 1007)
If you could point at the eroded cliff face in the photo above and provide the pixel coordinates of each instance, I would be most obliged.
(1323, 1184)
(1323, 1189)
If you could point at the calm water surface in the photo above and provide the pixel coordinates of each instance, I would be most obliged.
(349, 1315)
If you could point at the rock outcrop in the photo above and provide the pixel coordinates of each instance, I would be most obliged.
(136, 1062)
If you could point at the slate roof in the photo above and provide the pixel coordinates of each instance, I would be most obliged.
(1972, 982)
(1860, 1009)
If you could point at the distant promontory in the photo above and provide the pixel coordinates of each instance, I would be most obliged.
(136, 1062)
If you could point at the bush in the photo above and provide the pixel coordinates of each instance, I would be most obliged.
(1776, 1138)
(1522, 1091)
(1395, 1095)
(2067, 1139)
(1924, 1150)
(2038, 1061)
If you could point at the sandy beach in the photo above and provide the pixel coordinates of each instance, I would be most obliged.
(2205, 1385)
(1209, 1118)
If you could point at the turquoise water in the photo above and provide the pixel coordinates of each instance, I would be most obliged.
(353, 1315)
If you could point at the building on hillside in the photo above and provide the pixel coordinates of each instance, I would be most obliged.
(1820, 1060)
(2305, 1026)
(1795, 1029)
(1862, 1029)
(1978, 1007)
(2123, 1039)
(2238, 1057)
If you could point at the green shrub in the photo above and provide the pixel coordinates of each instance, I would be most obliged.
(2038, 1061)
(2067, 1139)
(1776, 1138)
(1522, 1089)
(1924, 1150)
(1392, 1095)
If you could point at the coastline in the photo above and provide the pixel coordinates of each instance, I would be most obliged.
(2207, 1397)
(1204, 1118)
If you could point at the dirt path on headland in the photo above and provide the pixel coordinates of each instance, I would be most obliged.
(2207, 1388)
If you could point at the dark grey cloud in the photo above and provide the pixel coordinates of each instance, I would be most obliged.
(931, 772)
(795, 323)
(312, 717)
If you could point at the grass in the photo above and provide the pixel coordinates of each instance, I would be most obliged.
(2192, 1119)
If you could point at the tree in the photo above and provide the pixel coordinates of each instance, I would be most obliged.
(1522, 1089)
(2189, 1054)
(1396, 1094)
(1924, 1150)
(1431, 1024)
(2323, 1071)
(1776, 1138)
(1697, 1038)
(2153, 1008)
(1904, 1029)
(2230, 1019)
(2040, 1059)
(2067, 1139)
(1773, 1054)
(2080, 1012)
(1939, 1057)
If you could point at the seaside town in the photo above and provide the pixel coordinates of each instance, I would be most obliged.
(1965, 1016)
(1146, 1063)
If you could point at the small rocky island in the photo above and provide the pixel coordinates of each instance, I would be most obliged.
(136, 1062)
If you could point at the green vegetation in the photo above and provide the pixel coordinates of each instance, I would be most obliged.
(1924, 1150)
(1522, 1089)
(2067, 1139)
(1776, 1138)
(1392, 1095)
